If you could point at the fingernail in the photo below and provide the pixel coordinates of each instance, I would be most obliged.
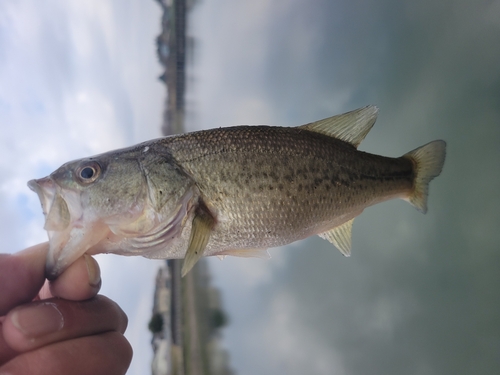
(93, 270)
(38, 320)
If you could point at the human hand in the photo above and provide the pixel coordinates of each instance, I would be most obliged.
(58, 327)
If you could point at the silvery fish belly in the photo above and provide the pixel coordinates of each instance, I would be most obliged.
(227, 191)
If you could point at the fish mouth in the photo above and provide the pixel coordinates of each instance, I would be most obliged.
(55, 208)
(62, 211)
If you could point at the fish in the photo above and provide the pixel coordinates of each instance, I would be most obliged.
(227, 191)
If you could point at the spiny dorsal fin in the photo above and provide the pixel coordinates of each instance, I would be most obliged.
(203, 222)
(351, 127)
(341, 237)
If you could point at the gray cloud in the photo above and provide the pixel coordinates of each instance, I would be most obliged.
(418, 295)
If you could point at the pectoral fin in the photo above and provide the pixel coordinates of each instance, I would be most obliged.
(203, 223)
(341, 237)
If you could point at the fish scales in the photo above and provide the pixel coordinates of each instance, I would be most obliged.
(227, 191)
(268, 185)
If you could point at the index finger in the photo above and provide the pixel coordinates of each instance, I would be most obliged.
(22, 276)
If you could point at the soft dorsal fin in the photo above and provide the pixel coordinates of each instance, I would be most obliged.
(203, 222)
(341, 237)
(351, 127)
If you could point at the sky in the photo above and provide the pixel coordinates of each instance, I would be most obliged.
(78, 78)
(418, 295)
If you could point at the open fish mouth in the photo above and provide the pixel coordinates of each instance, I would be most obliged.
(62, 214)
(55, 208)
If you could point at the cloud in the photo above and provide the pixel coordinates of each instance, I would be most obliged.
(410, 297)
(284, 345)
(77, 78)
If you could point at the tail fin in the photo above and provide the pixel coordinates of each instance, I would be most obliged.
(428, 161)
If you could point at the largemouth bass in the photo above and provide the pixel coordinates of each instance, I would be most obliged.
(227, 191)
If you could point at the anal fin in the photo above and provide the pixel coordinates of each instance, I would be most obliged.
(341, 237)
(203, 222)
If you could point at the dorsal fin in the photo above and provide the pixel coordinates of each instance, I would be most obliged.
(351, 127)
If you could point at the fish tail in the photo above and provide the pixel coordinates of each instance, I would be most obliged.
(428, 162)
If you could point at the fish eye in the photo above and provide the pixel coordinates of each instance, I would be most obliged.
(88, 172)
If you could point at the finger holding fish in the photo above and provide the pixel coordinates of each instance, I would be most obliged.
(42, 318)
(22, 278)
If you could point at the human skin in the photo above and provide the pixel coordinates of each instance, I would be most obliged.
(58, 327)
